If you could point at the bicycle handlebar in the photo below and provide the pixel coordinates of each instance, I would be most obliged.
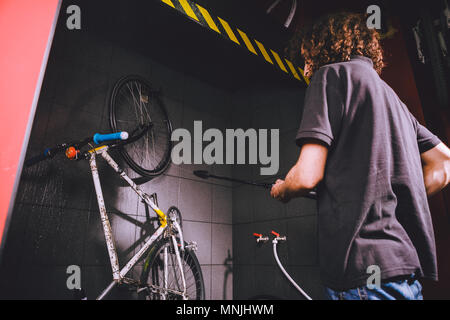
(36, 159)
(99, 138)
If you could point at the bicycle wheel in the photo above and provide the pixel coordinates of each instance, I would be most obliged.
(153, 274)
(134, 103)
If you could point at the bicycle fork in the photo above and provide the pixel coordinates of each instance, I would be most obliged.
(175, 244)
(177, 253)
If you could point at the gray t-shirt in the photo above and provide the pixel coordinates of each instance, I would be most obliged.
(372, 204)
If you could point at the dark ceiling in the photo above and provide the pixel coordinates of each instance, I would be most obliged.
(155, 29)
(164, 34)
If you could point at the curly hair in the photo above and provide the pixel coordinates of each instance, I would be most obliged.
(334, 38)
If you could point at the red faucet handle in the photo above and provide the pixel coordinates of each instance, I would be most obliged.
(257, 235)
(275, 234)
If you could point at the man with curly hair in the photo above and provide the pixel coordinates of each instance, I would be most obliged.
(373, 165)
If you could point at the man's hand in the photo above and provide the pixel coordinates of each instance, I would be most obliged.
(278, 191)
(305, 175)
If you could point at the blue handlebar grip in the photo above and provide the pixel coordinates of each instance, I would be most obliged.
(99, 138)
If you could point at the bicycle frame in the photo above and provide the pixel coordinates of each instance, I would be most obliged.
(119, 274)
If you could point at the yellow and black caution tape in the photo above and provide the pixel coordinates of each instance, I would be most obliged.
(202, 16)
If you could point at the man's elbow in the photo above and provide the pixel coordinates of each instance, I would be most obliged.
(442, 173)
(446, 173)
(436, 177)
(436, 167)
(308, 183)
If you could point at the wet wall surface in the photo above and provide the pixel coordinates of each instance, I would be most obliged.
(56, 222)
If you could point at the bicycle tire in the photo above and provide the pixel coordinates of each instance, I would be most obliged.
(152, 273)
(133, 103)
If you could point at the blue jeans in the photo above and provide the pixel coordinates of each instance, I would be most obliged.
(403, 289)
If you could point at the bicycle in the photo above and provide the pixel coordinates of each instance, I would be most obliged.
(171, 268)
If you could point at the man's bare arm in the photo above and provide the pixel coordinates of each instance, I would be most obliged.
(436, 168)
(305, 175)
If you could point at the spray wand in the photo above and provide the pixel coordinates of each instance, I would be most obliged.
(206, 175)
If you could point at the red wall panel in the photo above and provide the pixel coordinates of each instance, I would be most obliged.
(25, 36)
